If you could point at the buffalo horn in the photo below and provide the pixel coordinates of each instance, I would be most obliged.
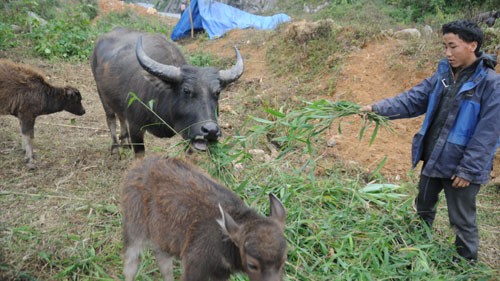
(229, 75)
(162, 71)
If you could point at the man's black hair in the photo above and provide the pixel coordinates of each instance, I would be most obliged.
(466, 30)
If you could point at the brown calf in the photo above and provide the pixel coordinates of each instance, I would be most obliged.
(25, 94)
(182, 212)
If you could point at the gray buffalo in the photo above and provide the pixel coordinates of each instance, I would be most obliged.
(177, 98)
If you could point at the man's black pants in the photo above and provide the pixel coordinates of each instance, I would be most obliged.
(461, 211)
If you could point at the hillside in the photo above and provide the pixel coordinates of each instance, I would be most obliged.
(63, 221)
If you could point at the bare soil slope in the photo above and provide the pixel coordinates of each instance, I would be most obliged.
(375, 72)
(77, 177)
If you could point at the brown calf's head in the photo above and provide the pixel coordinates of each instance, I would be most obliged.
(73, 100)
(261, 242)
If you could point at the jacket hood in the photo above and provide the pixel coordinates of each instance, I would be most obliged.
(488, 60)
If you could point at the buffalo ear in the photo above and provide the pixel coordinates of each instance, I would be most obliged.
(72, 93)
(277, 211)
(228, 225)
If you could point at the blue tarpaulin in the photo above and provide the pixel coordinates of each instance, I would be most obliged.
(217, 18)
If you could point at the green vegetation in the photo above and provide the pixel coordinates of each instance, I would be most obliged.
(426, 11)
(340, 227)
(204, 60)
(63, 222)
(64, 29)
(401, 11)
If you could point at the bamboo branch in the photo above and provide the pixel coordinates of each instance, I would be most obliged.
(73, 126)
(3, 193)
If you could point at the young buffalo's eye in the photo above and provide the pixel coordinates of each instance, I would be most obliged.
(186, 91)
(252, 266)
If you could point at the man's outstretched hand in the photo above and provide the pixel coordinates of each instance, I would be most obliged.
(366, 108)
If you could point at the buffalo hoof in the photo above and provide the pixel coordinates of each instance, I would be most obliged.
(31, 166)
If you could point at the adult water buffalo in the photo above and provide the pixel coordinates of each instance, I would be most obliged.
(183, 98)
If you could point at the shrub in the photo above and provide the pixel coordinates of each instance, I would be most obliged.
(66, 38)
(8, 36)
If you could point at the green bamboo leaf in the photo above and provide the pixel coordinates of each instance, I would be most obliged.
(275, 112)
(261, 120)
(374, 134)
(363, 128)
(132, 99)
(380, 165)
(378, 187)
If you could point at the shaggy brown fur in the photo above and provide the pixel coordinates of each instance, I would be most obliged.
(182, 212)
(25, 94)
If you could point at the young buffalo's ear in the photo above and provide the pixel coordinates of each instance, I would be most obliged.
(73, 93)
(228, 225)
(277, 211)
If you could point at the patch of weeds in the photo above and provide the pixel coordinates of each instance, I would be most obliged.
(130, 19)
(492, 39)
(303, 49)
(65, 40)
(366, 15)
(425, 50)
(67, 33)
(308, 50)
(18, 238)
(8, 36)
(86, 259)
(336, 225)
(204, 60)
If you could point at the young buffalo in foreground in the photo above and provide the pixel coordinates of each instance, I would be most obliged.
(25, 94)
(182, 212)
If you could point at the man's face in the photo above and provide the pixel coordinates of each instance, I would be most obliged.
(459, 53)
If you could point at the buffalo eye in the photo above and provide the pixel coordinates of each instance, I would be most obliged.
(186, 91)
(252, 266)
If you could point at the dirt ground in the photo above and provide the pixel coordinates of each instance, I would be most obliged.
(80, 152)
(368, 76)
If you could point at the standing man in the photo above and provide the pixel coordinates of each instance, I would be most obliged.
(183, 6)
(460, 132)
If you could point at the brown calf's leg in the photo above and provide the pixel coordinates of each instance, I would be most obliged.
(131, 259)
(27, 135)
(164, 261)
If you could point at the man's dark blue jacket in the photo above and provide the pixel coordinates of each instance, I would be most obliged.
(471, 133)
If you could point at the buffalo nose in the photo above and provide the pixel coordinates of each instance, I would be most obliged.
(210, 130)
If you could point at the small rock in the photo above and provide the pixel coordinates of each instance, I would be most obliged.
(428, 31)
(409, 33)
(16, 28)
(37, 17)
(332, 141)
